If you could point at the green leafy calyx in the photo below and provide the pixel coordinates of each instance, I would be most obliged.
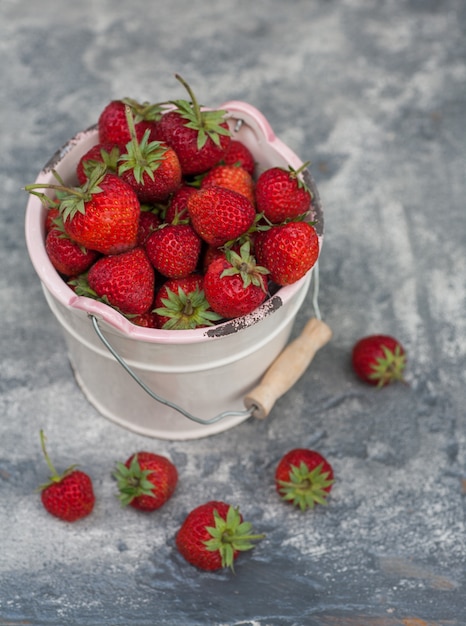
(245, 265)
(390, 367)
(230, 535)
(186, 310)
(306, 487)
(207, 123)
(133, 481)
(141, 157)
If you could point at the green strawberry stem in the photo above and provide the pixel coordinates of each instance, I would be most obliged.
(54, 477)
(229, 536)
(142, 157)
(207, 123)
(73, 198)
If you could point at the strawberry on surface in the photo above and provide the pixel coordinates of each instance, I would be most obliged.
(281, 194)
(113, 126)
(198, 136)
(379, 360)
(68, 496)
(213, 535)
(234, 284)
(288, 251)
(304, 478)
(146, 481)
(231, 177)
(151, 168)
(219, 215)
(174, 249)
(180, 304)
(124, 281)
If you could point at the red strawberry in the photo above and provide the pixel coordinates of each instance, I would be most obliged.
(281, 194)
(52, 214)
(125, 281)
(213, 534)
(181, 304)
(379, 360)
(177, 207)
(219, 215)
(69, 496)
(113, 126)
(234, 284)
(146, 481)
(238, 154)
(198, 136)
(100, 153)
(151, 168)
(102, 214)
(288, 251)
(174, 249)
(145, 320)
(67, 257)
(149, 221)
(231, 177)
(304, 478)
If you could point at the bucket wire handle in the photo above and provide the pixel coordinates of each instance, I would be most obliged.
(141, 383)
(284, 372)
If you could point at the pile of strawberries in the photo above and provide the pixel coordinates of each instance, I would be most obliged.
(171, 224)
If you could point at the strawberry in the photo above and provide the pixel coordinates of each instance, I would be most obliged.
(102, 214)
(379, 360)
(152, 168)
(219, 215)
(177, 207)
(181, 304)
(234, 284)
(281, 194)
(213, 534)
(68, 496)
(304, 478)
(198, 136)
(174, 249)
(149, 221)
(288, 251)
(146, 481)
(145, 320)
(52, 214)
(237, 153)
(124, 281)
(112, 124)
(100, 153)
(231, 177)
(67, 257)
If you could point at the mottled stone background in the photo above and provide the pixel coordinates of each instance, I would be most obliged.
(373, 93)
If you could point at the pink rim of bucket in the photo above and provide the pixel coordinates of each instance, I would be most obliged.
(247, 125)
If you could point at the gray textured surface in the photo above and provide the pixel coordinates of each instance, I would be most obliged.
(373, 93)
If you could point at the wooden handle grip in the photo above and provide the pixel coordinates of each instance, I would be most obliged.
(288, 367)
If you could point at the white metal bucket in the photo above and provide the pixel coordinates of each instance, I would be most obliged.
(207, 371)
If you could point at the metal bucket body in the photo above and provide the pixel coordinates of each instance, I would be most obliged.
(207, 370)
